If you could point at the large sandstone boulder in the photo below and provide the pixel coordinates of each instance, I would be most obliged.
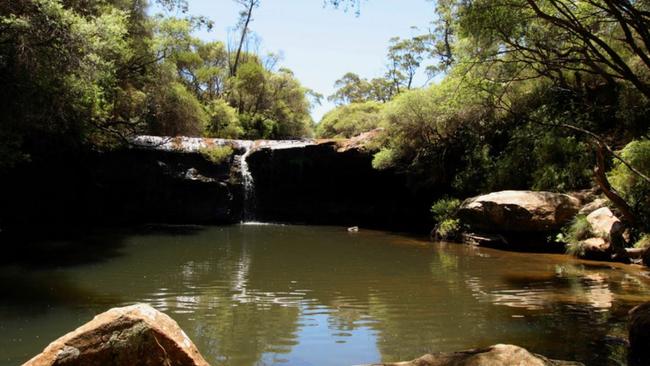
(593, 206)
(136, 335)
(498, 355)
(639, 332)
(607, 245)
(606, 225)
(519, 211)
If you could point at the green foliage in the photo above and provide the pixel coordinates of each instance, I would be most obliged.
(217, 154)
(542, 159)
(445, 208)
(573, 234)
(383, 159)
(177, 112)
(643, 242)
(223, 121)
(58, 66)
(91, 74)
(633, 188)
(350, 120)
(444, 212)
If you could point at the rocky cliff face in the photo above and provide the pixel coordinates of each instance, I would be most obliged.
(325, 183)
(130, 186)
(165, 180)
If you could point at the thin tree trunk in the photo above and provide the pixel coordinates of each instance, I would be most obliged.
(603, 184)
(244, 30)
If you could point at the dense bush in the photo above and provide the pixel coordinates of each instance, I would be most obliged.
(350, 120)
(633, 188)
(573, 234)
(223, 121)
(444, 213)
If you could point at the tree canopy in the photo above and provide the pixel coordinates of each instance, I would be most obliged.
(93, 73)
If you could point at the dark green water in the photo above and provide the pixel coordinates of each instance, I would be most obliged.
(301, 295)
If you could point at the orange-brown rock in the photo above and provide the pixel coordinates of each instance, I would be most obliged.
(136, 335)
(497, 355)
(519, 211)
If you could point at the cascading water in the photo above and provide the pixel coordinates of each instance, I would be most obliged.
(183, 144)
(247, 184)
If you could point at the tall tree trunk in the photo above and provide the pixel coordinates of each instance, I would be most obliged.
(244, 30)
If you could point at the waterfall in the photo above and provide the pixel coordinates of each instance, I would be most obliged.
(248, 184)
(183, 144)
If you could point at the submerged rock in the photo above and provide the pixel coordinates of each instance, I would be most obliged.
(132, 335)
(519, 211)
(639, 332)
(497, 355)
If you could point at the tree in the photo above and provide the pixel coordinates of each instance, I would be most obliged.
(245, 17)
(404, 59)
(353, 89)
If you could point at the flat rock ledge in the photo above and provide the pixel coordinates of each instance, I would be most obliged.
(497, 355)
(136, 335)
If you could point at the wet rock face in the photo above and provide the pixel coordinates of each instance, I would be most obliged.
(497, 355)
(122, 187)
(136, 335)
(324, 184)
(519, 211)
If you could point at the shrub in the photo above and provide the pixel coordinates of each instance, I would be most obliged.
(643, 242)
(223, 121)
(573, 234)
(444, 212)
(383, 159)
(350, 120)
(217, 154)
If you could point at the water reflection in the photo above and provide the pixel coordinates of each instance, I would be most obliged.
(264, 295)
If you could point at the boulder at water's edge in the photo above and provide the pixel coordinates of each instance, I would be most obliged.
(136, 335)
(497, 355)
(519, 211)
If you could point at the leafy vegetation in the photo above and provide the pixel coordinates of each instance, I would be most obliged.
(573, 234)
(643, 242)
(634, 189)
(444, 213)
(350, 120)
(217, 154)
(91, 74)
(529, 91)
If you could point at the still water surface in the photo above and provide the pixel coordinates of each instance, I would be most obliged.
(303, 295)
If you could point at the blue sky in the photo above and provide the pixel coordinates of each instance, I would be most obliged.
(319, 43)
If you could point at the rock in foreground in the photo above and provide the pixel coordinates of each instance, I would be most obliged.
(519, 211)
(639, 329)
(136, 335)
(498, 355)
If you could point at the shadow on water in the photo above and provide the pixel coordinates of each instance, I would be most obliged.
(46, 248)
(30, 283)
